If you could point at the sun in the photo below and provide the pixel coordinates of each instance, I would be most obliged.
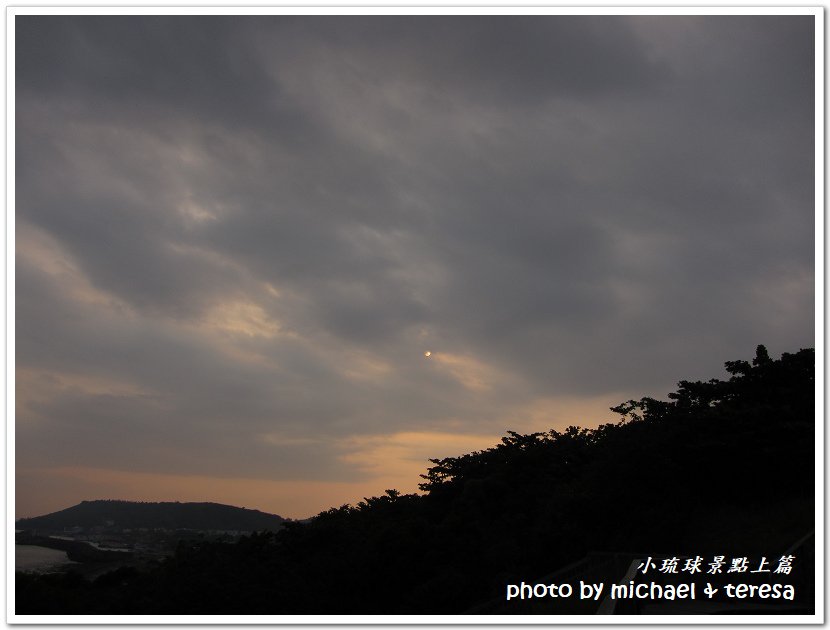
(427, 354)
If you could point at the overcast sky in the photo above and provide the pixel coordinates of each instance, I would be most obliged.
(236, 238)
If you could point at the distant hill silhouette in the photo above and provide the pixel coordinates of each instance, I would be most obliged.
(722, 467)
(135, 515)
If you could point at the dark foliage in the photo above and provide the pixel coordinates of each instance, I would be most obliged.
(723, 466)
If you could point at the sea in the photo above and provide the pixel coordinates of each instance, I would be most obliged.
(35, 559)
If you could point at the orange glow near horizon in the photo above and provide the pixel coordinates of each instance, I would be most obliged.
(386, 460)
(59, 488)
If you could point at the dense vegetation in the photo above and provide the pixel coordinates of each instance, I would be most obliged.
(166, 515)
(724, 466)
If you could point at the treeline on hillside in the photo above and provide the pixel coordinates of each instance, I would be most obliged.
(723, 466)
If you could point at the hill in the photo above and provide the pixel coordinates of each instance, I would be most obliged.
(121, 515)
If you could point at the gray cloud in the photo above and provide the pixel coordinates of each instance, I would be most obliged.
(262, 223)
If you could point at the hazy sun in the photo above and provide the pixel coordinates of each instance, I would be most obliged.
(427, 354)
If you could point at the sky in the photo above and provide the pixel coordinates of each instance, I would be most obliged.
(238, 237)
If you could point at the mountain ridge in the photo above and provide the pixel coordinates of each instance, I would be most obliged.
(121, 514)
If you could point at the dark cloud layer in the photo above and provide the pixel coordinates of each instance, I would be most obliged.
(238, 235)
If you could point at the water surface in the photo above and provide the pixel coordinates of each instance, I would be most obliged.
(35, 559)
